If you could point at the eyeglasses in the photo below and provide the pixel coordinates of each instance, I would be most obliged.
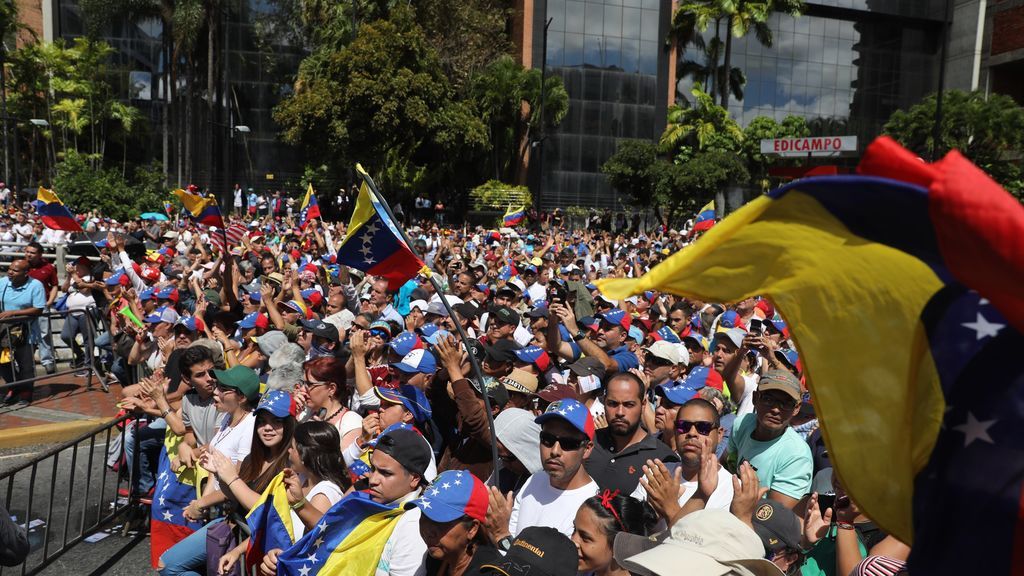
(312, 384)
(703, 428)
(567, 443)
(773, 401)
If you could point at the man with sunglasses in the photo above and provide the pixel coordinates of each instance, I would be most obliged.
(697, 480)
(780, 456)
(552, 496)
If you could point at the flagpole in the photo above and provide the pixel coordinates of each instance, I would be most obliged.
(474, 365)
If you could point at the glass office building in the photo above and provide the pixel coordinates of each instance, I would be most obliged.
(845, 65)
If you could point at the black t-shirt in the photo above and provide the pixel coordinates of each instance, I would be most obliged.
(622, 470)
(484, 554)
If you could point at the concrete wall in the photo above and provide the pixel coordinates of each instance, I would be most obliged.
(964, 56)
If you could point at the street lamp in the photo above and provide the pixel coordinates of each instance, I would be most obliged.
(243, 129)
(39, 123)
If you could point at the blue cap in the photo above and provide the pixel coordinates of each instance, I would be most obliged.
(405, 343)
(249, 321)
(409, 396)
(636, 334)
(452, 495)
(573, 412)
(788, 357)
(677, 392)
(667, 334)
(147, 294)
(165, 314)
(115, 278)
(418, 360)
(279, 403)
(191, 323)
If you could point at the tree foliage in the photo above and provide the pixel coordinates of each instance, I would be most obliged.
(105, 191)
(631, 170)
(987, 129)
(701, 127)
(766, 128)
(497, 195)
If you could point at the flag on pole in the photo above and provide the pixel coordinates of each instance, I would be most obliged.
(234, 233)
(513, 216)
(168, 207)
(705, 218)
(204, 210)
(374, 244)
(310, 208)
(909, 323)
(54, 213)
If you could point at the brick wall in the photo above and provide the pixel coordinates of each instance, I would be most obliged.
(30, 12)
(1008, 30)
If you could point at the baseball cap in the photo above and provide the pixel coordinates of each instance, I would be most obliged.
(431, 333)
(116, 278)
(495, 390)
(409, 396)
(505, 315)
(321, 329)
(616, 317)
(168, 293)
(408, 448)
(297, 306)
(279, 403)
(381, 325)
(420, 304)
(502, 351)
(537, 550)
(734, 335)
(677, 392)
(780, 380)
(534, 355)
(667, 334)
(271, 341)
(539, 311)
(191, 323)
(147, 294)
(706, 542)
(697, 339)
(555, 392)
(777, 526)
(313, 296)
(702, 376)
(419, 360)
(669, 352)
(437, 309)
(165, 314)
(588, 366)
(788, 357)
(150, 274)
(243, 379)
(573, 412)
(452, 495)
(254, 320)
(405, 342)
(520, 381)
(730, 319)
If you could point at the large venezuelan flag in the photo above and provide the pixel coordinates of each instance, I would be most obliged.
(270, 522)
(513, 216)
(375, 246)
(171, 495)
(53, 212)
(310, 208)
(203, 210)
(705, 218)
(909, 322)
(348, 540)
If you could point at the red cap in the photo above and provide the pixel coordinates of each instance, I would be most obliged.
(151, 274)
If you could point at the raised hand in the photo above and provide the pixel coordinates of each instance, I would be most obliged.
(815, 526)
(663, 488)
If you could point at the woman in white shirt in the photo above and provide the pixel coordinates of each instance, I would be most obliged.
(326, 397)
(78, 284)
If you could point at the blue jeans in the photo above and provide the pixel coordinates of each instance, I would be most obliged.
(41, 337)
(151, 439)
(188, 557)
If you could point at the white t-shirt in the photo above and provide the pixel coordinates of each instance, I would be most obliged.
(745, 405)
(23, 232)
(349, 421)
(405, 550)
(234, 442)
(540, 504)
(325, 487)
(720, 499)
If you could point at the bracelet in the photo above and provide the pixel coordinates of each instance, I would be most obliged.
(844, 526)
(298, 505)
(165, 413)
(232, 481)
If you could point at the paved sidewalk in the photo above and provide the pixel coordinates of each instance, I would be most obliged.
(63, 407)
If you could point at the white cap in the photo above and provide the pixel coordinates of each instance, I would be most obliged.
(421, 304)
(669, 351)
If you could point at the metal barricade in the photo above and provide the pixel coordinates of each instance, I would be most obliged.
(75, 487)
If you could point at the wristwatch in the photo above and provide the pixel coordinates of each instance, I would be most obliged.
(505, 544)
(579, 335)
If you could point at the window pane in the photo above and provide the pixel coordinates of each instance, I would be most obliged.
(612, 21)
(648, 57)
(631, 23)
(574, 16)
(631, 56)
(595, 19)
(649, 25)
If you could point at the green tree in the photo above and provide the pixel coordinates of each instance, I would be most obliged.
(704, 126)
(987, 129)
(766, 128)
(497, 195)
(631, 170)
(105, 191)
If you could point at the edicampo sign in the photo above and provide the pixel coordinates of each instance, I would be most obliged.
(815, 146)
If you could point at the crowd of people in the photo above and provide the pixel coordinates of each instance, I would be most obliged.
(653, 435)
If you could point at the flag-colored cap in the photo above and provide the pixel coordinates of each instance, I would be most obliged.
(702, 376)
(534, 355)
(116, 278)
(417, 361)
(677, 392)
(616, 317)
(667, 334)
(168, 293)
(453, 494)
(254, 320)
(166, 314)
(409, 396)
(573, 412)
(279, 403)
(147, 294)
(192, 324)
(405, 343)
(730, 319)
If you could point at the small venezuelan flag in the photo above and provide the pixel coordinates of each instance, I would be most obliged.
(54, 213)
(349, 540)
(310, 208)
(705, 218)
(910, 323)
(374, 244)
(203, 210)
(513, 216)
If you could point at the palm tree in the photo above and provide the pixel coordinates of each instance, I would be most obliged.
(698, 126)
(744, 15)
(705, 72)
(127, 117)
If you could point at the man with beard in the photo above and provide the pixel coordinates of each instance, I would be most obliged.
(551, 496)
(676, 488)
(780, 456)
(622, 448)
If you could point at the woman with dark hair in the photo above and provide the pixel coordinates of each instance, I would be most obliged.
(325, 395)
(239, 486)
(597, 522)
(316, 480)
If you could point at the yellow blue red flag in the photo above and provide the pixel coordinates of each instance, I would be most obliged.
(374, 245)
(54, 213)
(270, 522)
(705, 218)
(909, 321)
(203, 210)
(513, 216)
(349, 540)
(310, 208)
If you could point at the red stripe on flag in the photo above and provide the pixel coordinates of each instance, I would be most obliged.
(163, 535)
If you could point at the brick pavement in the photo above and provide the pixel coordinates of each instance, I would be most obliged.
(62, 399)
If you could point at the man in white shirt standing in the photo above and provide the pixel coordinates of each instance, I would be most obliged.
(551, 497)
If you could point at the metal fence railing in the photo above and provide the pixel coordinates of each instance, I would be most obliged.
(65, 494)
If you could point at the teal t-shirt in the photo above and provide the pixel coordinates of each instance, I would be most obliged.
(783, 464)
(821, 559)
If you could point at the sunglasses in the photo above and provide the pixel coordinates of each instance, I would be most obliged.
(380, 334)
(567, 443)
(658, 361)
(357, 327)
(703, 428)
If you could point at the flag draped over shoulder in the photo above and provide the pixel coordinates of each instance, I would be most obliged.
(909, 323)
(310, 208)
(54, 213)
(171, 496)
(270, 522)
(348, 540)
(374, 244)
(202, 209)
(513, 216)
(705, 218)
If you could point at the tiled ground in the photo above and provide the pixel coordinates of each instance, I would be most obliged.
(62, 399)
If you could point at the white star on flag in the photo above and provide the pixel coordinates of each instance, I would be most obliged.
(322, 526)
(425, 503)
(975, 429)
(983, 327)
(304, 570)
(367, 250)
(373, 228)
(446, 486)
(312, 558)
(369, 260)
(434, 492)
(458, 482)
(318, 542)
(162, 500)
(168, 516)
